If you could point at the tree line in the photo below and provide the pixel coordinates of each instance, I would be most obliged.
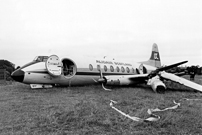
(187, 70)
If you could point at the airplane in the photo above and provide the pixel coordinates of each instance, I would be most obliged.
(50, 71)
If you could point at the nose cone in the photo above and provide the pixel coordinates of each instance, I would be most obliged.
(18, 75)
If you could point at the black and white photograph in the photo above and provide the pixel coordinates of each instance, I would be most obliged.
(100, 67)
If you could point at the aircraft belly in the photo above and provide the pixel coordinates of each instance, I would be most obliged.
(42, 78)
(39, 78)
(83, 80)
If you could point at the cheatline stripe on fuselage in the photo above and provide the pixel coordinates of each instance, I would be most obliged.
(86, 73)
(98, 73)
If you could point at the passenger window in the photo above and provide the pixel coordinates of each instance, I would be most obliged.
(90, 67)
(137, 71)
(127, 69)
(105, 68)
(117, 69)
(122, 69)
(144, 70)
(133, 70)
(98, 67)
(112, 68)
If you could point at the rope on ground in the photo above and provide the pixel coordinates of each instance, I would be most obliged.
(153, 117)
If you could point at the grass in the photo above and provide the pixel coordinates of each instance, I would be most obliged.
(86, 110)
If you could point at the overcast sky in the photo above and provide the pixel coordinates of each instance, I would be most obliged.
(113, 28)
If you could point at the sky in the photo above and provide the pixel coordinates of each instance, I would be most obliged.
(122, 29)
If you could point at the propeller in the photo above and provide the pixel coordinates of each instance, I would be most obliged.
(156, 72)
(103, 80)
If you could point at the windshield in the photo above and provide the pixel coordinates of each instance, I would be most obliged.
(41, 58)
(36, 60)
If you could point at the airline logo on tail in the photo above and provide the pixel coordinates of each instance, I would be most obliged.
(155, 53)
(155, 56)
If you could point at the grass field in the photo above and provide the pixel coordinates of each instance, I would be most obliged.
(86, 110)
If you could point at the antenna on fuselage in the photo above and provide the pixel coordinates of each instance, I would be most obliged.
(109, 59)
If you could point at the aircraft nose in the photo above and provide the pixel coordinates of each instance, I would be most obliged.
(18, 75)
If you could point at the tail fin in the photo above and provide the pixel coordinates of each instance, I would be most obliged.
(155, 57)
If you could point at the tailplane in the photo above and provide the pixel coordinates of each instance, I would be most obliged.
(155, 57)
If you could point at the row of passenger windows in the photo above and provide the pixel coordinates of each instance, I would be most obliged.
(122, 69)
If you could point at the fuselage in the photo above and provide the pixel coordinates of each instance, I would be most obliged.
(79, 70)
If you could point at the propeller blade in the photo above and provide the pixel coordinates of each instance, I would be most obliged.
(105, 88)
(102, 80)
(101, 75)
(180, 80)
(171, 66)
(94, 80)
(155, 72)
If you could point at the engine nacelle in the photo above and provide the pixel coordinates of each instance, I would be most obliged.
(157, 85)
(117, 80)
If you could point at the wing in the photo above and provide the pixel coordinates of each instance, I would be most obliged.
(154, 79)
(180, 80)
(124, 79)
(154, 82)
(140, 78)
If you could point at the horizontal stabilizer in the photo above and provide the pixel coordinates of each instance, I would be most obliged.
(180, 80)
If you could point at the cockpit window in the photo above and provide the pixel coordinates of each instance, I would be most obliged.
(28, 64)
(41, 58)
(36, 60)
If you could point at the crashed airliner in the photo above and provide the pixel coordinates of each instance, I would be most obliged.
(49, 71)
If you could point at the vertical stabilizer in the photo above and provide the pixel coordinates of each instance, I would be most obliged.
(155, 57)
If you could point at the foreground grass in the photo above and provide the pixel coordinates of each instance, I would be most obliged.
(86, 110)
